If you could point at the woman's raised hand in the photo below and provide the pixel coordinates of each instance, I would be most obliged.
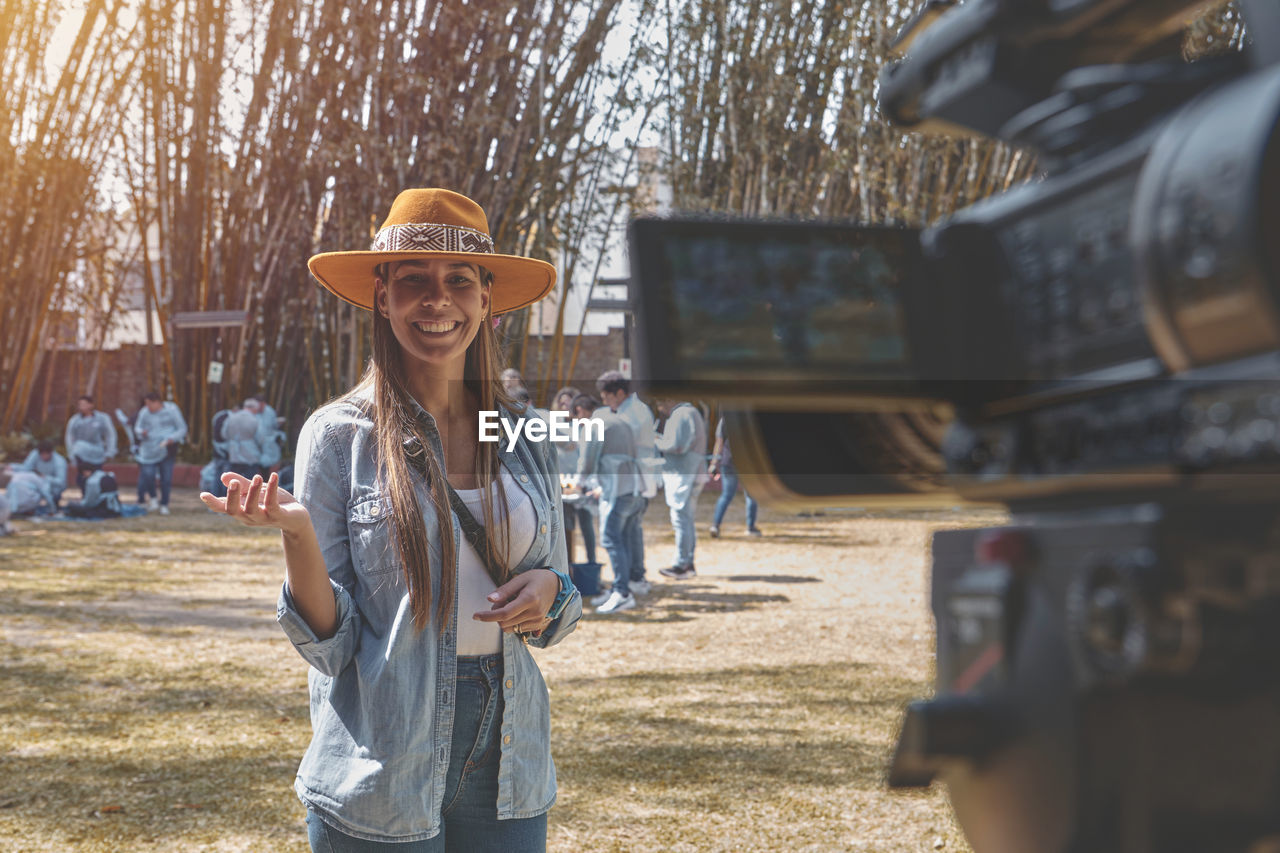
(254, 503)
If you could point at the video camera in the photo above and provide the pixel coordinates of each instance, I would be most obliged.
(1098, 351)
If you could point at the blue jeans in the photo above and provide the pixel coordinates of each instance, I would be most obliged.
(470, 811)
(682, 525)
(635, 541)
(729, 488)
(581, 518)
(616, 534)
(147, 474)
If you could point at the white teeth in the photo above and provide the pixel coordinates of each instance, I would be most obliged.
(437, 328)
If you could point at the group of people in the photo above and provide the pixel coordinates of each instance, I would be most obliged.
(616, 476)
(248, 440)
(155, 433)
(36, 485)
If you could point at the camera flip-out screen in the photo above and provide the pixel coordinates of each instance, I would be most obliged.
(799, 307)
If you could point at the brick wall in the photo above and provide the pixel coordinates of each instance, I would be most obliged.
(121, 382)
(122, 374)
(597, 354)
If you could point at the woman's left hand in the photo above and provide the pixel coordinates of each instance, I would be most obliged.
(522, 603)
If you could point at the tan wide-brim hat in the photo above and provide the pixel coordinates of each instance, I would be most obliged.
(435, 223)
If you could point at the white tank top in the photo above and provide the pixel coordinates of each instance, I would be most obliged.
(474, 583)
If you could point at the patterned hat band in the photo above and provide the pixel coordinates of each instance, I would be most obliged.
(431, 237)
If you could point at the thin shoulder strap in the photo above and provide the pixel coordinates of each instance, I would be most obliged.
(472, 530)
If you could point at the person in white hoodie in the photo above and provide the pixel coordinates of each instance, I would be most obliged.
(683, 444)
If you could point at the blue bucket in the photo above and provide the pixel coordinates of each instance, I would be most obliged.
(586, 577)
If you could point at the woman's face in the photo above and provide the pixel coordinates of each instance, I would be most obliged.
(435, 308)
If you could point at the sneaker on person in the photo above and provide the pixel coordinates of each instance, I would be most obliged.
(164, 510)
(714, 531)
(640, 587)
(153, 504)
(679, 573)
(754, 531)
(617, 602)
(597, 600)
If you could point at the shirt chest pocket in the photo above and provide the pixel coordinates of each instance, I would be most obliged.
(372, 550)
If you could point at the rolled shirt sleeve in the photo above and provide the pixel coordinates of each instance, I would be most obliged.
(329, 656)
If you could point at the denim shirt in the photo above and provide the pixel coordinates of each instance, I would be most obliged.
(382, 699)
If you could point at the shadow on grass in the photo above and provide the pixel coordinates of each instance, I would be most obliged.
(709, 738)
(160, 613)
(772, 579)
(683, 601)
(815, 539)
(98, 693)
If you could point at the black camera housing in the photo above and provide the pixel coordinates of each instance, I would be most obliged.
(1098, 351)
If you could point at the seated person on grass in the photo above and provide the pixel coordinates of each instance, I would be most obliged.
(51, 465)
(26, 493)
(101, 498)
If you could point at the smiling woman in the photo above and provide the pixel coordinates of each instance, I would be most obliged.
(428, 730)
(435, 308)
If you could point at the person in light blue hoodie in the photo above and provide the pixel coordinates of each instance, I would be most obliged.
(90, 439)
(421, 563)
(28, 494)
(270, 437)
(159, 429)
(615, 392)
(608, 464)
(50, 464)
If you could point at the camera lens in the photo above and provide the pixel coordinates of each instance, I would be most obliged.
(1205, 205)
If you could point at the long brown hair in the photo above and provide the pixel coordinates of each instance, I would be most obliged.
(392, 409)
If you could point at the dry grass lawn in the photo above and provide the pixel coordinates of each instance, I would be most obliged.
(148, 702)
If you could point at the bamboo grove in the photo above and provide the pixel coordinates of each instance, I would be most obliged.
(211, 146)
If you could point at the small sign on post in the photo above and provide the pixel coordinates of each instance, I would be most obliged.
(215, 372)
(624, 367)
